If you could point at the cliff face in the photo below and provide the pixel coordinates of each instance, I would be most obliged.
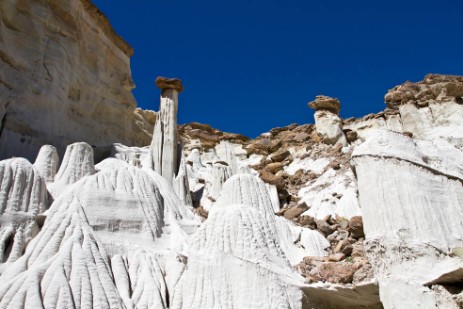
(64, 77)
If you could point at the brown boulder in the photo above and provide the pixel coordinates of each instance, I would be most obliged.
(323, 102)
(280, 155)
(169, 83)
(307, 221)
(295, 211)
(356, 227)
(334, 272)
(272, 179)
(324, 228)
(344, 247)
(274, 167)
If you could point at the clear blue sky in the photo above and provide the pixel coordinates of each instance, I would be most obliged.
(249, 66)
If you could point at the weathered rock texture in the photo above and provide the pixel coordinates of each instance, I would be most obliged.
(165, 140)
(64, 77)
(23, 196)
(411, 195)
(281, 221)
(327, 120)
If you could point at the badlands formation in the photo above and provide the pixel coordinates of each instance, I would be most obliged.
(103, 205)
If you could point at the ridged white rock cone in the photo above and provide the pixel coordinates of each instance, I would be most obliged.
(65, 266)
(23, 195)
(47, 162)
(77, 163)
(236, 262)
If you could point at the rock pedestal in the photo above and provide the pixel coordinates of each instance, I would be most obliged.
(164, 144)
(327, 121)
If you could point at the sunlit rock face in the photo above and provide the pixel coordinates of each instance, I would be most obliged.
(64, 77)
(411, 195)
(23, 196)
(333, 215)
(236, 242)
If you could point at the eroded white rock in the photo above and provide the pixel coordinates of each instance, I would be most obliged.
(47, 162)
(411, 195)
(236, 240)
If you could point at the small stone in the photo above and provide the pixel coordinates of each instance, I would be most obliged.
(324, 228)
(295, 211)
(337, 257)
(352, 136)
(280, 155)
(307, 220)
(356, 227)
(344, 247)
(274, 167)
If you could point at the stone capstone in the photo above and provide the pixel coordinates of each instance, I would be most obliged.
(326, 103)
(169, 83)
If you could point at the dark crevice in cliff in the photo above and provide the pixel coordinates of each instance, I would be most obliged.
(2, 124)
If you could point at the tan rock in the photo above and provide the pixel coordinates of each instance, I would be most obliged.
(274, 167)
(337, 257)
(272, 179)
(356, 227)
(434, 88)
(67, 65)
(344, 247)
(280, 155)
(169, 83)
(334, 272)
(323, 102)
(295, 211)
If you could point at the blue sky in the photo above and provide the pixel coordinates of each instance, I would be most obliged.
(249, 66)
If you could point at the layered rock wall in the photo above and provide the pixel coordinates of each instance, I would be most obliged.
(64, 77)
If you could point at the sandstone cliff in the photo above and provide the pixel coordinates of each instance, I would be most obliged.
(64, 77)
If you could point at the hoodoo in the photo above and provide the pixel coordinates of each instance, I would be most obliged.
(165, 141)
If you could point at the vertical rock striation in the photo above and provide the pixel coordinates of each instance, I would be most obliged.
(412, 197)
(23, 195)
(47, 162)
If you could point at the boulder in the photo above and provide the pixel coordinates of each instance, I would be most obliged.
(325, 103)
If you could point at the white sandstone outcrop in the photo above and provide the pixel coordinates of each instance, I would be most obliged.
(235, 262)
(47, 162)
(23, 196)
(327, 120)
(165, 142)
(411, 195)
(65, 77)
(77, 163)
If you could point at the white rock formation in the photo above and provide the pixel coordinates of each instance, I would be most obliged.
(165, 142)
(411, 195)
(55, 89)
(23, 195)
(77, 163)
(236, 242)
(181, 184)
(47, 162)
